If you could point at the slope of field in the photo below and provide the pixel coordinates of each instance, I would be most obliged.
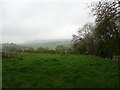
(59, 71)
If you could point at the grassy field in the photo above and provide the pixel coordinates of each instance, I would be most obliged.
(59, 71)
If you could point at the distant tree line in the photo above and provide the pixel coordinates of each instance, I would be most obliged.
(101, 38)
(12, 50)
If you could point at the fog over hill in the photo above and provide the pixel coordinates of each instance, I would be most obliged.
(52, 43)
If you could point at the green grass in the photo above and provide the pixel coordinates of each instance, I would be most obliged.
(0, 73)
(59, 71)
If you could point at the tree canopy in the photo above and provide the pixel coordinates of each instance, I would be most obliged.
(102, 37)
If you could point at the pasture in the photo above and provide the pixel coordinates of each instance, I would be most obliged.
(59, 71)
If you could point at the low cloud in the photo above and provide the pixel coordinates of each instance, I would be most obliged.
(29, 20)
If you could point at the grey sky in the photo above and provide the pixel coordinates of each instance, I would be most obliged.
(25, 20)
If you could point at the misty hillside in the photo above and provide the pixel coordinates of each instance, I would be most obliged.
(47, 43)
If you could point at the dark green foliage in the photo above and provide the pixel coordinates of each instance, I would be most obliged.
(60, 49)
(103, 37)
(107, 31)
(59, 71)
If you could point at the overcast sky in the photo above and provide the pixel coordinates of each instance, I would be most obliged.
(26, 20)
